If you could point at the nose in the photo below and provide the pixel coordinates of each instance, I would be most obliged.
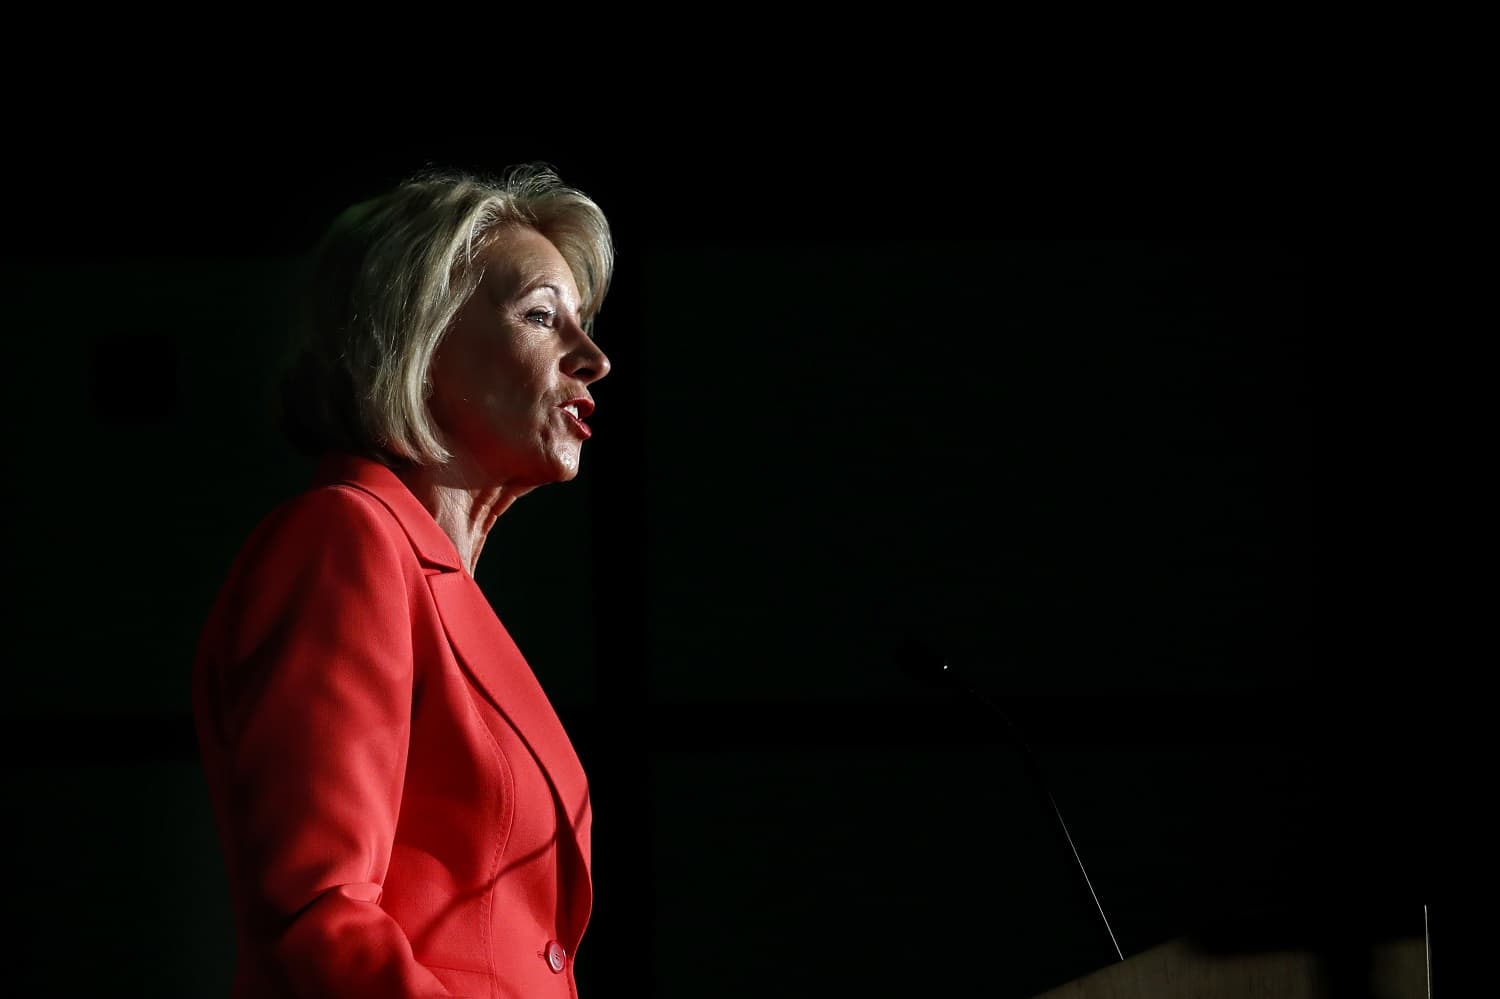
(588, 363)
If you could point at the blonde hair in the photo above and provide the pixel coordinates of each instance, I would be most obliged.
(386, 282)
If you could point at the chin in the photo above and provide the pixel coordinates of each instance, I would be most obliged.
(565, 468)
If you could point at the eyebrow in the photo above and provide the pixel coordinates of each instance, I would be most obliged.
(544, 284)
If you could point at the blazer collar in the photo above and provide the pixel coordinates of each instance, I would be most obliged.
(433, 547)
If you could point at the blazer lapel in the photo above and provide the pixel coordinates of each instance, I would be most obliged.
(496, 666)
(492, 660)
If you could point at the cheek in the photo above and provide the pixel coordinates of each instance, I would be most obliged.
(506, 392)
(463, 400)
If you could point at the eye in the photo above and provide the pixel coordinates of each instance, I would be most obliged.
(542, 316)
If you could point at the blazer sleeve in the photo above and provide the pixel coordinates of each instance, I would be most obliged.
(314, 678)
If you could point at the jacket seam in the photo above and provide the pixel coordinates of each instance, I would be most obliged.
(507, 796)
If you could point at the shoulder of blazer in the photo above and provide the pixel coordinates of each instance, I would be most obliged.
(435, 550)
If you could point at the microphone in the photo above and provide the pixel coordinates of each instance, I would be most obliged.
(930, 666)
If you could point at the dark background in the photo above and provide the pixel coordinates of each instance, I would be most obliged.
(1149, 494)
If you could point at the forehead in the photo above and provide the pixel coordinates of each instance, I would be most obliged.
(520, 258)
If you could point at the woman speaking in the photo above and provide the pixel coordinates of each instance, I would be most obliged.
(400, 810)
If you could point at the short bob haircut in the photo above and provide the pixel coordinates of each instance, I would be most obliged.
(385, 284)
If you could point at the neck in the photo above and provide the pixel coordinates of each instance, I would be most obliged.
(462, 502)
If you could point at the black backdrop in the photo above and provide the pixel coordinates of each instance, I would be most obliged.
(1119, 481)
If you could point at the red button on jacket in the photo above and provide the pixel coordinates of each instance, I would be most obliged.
(400, 810)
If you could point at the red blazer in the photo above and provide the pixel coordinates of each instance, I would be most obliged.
(400, 809)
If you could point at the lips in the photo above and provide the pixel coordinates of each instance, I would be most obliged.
(575, 411)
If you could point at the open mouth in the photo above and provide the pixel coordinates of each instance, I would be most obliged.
(571, 411)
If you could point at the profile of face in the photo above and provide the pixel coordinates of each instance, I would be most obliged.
(514, 357)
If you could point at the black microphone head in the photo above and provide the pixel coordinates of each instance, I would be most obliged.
(922, 661)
